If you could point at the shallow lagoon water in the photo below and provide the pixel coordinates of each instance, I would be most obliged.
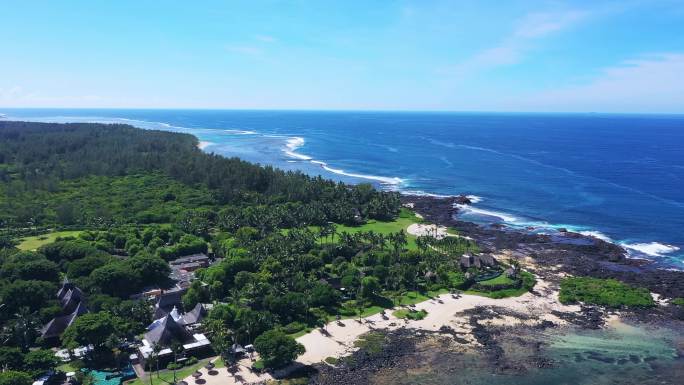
(620, 354)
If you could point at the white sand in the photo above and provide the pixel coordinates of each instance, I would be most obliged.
(340, 341)
(419, 229)
(222, 377)
(340, 338)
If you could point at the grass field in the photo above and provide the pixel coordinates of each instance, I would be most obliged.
(166, 376)
(36, 241)
(405, 219)
(500, 280)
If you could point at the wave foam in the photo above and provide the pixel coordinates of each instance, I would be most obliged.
(291, 146)
(204, 144)
(474, 198)
(652, 249)
(394, 181)
(467, 209)
(596, 234)
(240, 132)
(422, 193)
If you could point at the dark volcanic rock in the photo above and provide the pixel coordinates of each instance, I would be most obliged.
(591, 257)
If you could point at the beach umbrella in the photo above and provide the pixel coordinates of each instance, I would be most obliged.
(197, 374)
(182, 383)
(209, 366)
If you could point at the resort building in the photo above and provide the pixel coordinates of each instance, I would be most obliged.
(167, 301)
(72, 301)
(183, 268)
(477, 261)
(174, 328)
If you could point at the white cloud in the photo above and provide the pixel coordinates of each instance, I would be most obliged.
(513, 48)
(538, 25)
(17, 96)
(653, 83)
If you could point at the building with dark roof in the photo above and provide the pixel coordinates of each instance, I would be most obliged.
(168, 300)
(73, 305)
(166, 330)
(478, 261)
(198, 259)
(163, 332)
(194, 316)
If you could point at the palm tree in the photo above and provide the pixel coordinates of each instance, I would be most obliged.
(398, 240)
(221, 337)
(23, 329)
(154, 360)
(333, 232)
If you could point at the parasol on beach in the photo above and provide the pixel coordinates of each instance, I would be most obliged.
(197, 374)
(209, 366)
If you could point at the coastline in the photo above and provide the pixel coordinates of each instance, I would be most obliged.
(665, 252)
(445, 313)
(473, 321)
(472, 325)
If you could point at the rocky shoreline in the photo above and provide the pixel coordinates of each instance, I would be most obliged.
(573, 253)
(497, 347)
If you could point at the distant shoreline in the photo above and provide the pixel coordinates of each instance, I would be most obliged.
(653, 247)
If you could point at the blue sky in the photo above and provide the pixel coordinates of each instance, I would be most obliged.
(606, 56)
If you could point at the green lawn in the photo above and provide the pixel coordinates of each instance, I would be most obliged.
(405, 219)
(407, 298)
(499, 293)
(528, 282)
(34, 242)
(500, 280)
(167, 375)
(306, 330)
(66, 367)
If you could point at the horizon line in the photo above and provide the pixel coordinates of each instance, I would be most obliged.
(444, 111)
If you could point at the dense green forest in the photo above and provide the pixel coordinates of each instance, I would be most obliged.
(59, 174)
(142, 198)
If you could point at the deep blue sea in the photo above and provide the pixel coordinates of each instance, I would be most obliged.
(619, 177)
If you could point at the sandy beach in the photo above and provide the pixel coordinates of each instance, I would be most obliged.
(221, 376)
(442, 311)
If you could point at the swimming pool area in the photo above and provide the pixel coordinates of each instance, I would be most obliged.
(111, 378)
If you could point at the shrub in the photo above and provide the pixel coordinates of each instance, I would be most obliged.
(258, 366)
(293, 327)
(371, 343)
(277, 349)
(411, 314)
(11, 377)
(607, 292)
(678, 301)
(332, 360)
